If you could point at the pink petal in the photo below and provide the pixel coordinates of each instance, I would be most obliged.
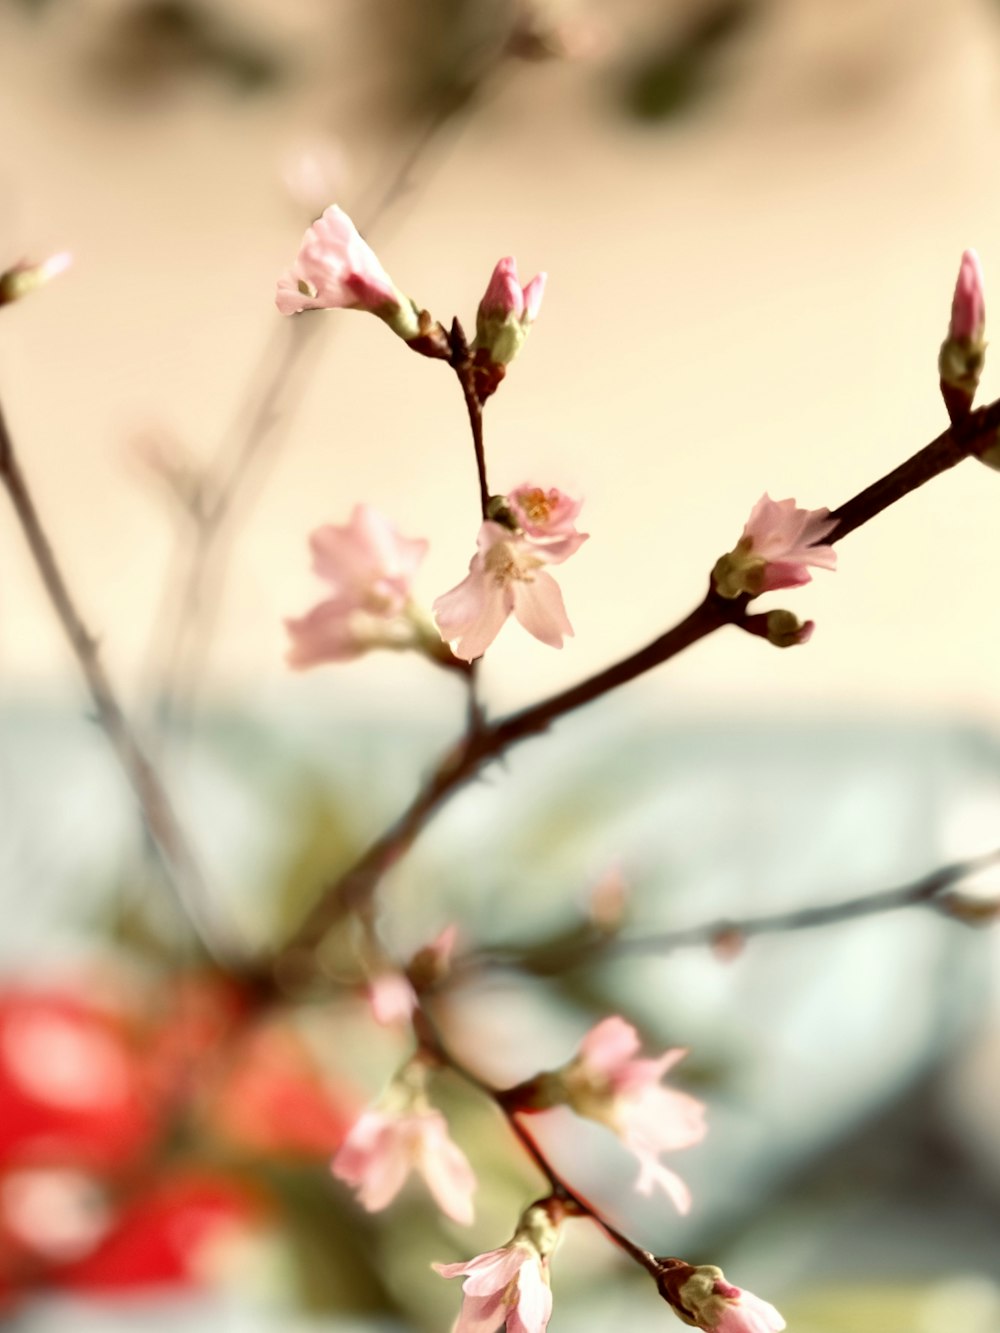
(503, 295)
(449, 1176)
(968, 307)
(534, 1301)
(324, 634)
(609, 1045)
(538, 605)
(533, 294)
(471, 615)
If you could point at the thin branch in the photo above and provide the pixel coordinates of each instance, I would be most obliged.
(575, 1203)
(562, 956)
(182, 870)
(470, 756)
(463, 368)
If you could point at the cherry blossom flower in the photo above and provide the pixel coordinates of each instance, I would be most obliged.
(507, 312)
(22, 278)
(778, 543)
(369, 568)
(336, 270)
(968, 307)
(706, 1300)
(547, 516)
(385, 1145)
(605, 1082)
(506, 574)
(510, 1285)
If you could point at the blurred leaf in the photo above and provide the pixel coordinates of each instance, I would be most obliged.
(677, 77)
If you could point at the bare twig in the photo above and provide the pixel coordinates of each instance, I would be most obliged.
(182, 870)
(555, 957)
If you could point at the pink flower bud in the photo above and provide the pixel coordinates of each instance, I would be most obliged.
(968, 307)
(23, 278)
(703, 1297)
(506, 313)
(779, 541)
(336, 270)
(960, 361)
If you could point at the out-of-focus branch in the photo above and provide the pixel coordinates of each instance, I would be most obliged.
(554, 957)
(182, 870)
(965, 438)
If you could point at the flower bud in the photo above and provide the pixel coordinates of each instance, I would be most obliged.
(786, 630)
(960, 362)
(703, 1298)
(503, 320)
(23, 278)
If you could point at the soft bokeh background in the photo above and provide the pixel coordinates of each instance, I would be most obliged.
(751, 215)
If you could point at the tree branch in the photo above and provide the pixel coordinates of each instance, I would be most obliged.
(182, 870)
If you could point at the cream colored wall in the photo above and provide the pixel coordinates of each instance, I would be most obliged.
(751, 300)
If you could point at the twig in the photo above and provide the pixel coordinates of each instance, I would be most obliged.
(182, 870)
(551, 959)
(575, 1203)
(962, 440)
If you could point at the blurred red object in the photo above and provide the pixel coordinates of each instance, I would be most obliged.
(72, 1085)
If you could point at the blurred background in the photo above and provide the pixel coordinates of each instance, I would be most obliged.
(752, 214)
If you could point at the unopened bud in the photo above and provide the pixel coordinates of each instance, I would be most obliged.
(23, 278)
(786, 630)
(503, 320)
(960, 362)
(703, 1298)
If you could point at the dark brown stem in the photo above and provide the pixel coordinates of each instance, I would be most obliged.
(180, 865)
(462, 365)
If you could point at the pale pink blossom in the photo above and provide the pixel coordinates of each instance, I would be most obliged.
(392, 999)
(547, 516)
(369, 567)
(709, 1302)
(968, 307)
(510, 1286)
(505, 575)
(607, 1083)
(778, 544)
(384, 1146)
(336, 270)
(507, 312)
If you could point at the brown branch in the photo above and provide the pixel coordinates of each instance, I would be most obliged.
(554, 957)
(575, 1204)
(182, 870)
(469, 757)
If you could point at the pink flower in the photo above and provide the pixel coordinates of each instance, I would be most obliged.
(968, 307)
(369, 568)
(385, 1146)
(505, 575)
(511, 1285)
(704, 1298)
(778, 543)
(605, 1082)
(507, 312)
(547, 516)
(336, 270)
